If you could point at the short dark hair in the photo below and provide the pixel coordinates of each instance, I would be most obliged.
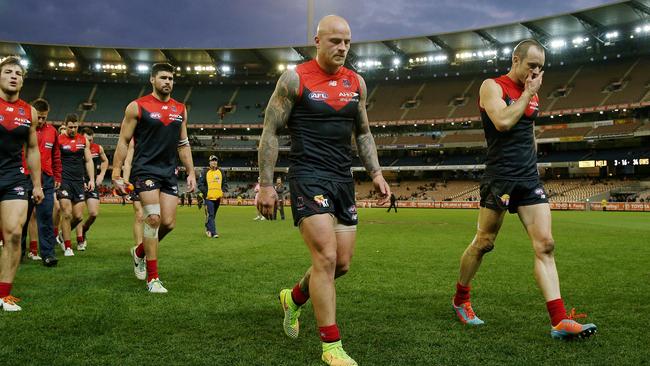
(41, 105)
(71, 117)
(12, 60)
(521, 49)
(87, 131)
(163, 66)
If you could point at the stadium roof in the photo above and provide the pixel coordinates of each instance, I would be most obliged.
(594, 24)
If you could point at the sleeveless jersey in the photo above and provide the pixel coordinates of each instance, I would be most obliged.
(15, 122)
(95, 153)
(511, 154)
(156, 137)
(72, 157)
(321, 123)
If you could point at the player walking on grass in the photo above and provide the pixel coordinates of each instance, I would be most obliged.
(158, 125)
(100, 164)
(509, 105)
(17, 132)
(41, 223)
(324, 105)
(77, 162)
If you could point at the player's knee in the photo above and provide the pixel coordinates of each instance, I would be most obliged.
(342, 269)
(67, 216)
(152, 220)
(484, 243)
(327, 260)
(13, 236)
(168, 223)
(545, 245)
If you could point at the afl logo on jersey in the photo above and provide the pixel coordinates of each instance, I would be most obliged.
(318, 96)
(155, 115)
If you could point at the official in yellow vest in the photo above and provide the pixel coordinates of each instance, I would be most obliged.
(212, 184)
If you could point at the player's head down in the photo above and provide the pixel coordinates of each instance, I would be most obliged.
(333, 40)
(527, 58)
(12, 74)
(42, 109)
(162, 78)
(88, 133)
(71, 124)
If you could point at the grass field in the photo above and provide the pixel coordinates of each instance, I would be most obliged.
(393, 306)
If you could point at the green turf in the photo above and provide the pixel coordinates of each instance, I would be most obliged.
(394, 304)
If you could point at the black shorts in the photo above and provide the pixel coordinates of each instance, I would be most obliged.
(166, 185)
(73, 191)
(15, 189)
(313, 196)
(499, 194)
(133, 196)
(94, 194)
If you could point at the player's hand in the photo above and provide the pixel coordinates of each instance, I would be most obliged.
(118, 184)
(38, 195)
(99, 180)
(266, 201)
(534, 82)
(191, 183)
(382, 187)
(91, 186)
(57, 185)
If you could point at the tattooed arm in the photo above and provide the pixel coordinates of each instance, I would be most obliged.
(276, 116)
(366, 146)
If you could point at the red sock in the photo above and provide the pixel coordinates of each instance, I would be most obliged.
(152, 269)
(329, 333)
(298, 296)
(556, 311)
(139, 250)
(56, 231)
(33, 246)
(80, 239)
(462, 294)
(5, 289)
(67, 244)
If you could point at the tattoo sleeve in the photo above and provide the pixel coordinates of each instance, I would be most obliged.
(365, 142)
(276, 116)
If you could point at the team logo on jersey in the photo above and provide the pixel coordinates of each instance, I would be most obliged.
(332, 83)
(155, 115)
(21, 111)
(322, 201)
(346, 83)
(318, 96)
(174, 109)
(505, 199)
(540, 192)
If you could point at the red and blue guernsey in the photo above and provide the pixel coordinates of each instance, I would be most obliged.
(15, 122)
(511, 154)
(72, 157)
(95, 152)
(156, 137)
(321, 123)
